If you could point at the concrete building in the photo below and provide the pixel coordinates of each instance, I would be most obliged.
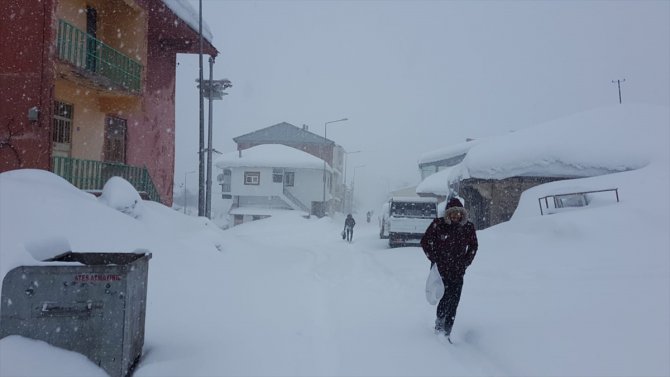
(89, 88)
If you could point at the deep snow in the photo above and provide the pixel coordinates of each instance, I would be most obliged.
(583, 292)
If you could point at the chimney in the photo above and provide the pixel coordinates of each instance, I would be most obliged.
(305, 127)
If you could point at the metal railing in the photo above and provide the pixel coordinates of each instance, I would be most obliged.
(92, 175)
(572, 199)
(295, 200)
(89, 53)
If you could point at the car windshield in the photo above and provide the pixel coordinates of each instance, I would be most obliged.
(413, 209)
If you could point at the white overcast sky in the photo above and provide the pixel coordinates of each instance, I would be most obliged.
(413, 76)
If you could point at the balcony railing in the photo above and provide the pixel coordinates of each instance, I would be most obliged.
(92, 175)
(88, 53)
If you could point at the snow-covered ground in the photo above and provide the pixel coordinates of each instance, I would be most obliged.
(583, 292)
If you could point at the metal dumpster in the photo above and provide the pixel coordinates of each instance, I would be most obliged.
(91, 303)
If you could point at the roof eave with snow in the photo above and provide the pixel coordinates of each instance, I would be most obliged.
(271, 156)
(184, 10)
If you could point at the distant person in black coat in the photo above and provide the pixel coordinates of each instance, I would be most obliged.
(349, 227)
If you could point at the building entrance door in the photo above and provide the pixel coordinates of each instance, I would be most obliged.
(114, 148)
(115, 140)
(62, 129)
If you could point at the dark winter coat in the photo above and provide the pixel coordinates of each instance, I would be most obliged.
(349, 223)
(451, 245)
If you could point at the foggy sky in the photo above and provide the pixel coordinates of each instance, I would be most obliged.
(413, 76)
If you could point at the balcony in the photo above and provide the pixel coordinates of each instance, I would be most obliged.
(93, 56)
(91, 175)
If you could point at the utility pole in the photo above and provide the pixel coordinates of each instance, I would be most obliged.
(201, 148)
(618, 82)
(213, 90)
(208, 185)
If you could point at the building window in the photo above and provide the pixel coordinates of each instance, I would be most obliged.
(252, 178)
(62, 132)
(277, 175)
(289, 178)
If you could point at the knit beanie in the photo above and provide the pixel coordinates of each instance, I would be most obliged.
(454, 202)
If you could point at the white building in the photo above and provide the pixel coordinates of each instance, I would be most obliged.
(271, 177)
(436, 166)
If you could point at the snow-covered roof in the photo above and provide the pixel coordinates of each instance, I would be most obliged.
(271, 155)
(436, 183)
(190, 16)
(282, 133)
(447, 152)
(586, 144)
(259, 211)
(591, 143)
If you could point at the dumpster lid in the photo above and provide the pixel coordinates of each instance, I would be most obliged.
(100, 259)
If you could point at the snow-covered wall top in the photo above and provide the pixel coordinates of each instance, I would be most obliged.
(447, 152)
(271, 155)
(600, 141)
(185, 11)
(413, 199)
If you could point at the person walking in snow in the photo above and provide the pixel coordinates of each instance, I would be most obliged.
(451, 243)
(349, 223)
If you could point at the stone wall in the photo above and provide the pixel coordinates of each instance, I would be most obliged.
(492, 201)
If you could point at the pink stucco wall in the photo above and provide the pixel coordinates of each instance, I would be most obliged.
(151, 132)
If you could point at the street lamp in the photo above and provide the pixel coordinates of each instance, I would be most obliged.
(186, 197)
(325, 136)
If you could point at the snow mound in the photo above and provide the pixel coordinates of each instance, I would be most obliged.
(47, 247)
(120, 195)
